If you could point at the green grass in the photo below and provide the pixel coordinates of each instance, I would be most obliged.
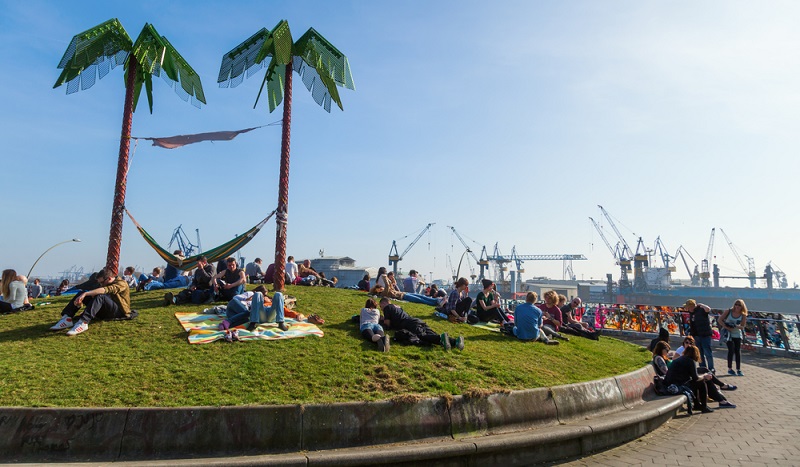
(148, 362)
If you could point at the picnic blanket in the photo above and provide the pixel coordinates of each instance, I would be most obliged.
(494, 327)
(203, 328)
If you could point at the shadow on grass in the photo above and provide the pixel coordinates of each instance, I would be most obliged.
(34, 332)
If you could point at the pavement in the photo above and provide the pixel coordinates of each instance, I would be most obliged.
(764, 430)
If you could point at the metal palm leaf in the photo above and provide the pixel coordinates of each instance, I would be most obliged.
(93, 53)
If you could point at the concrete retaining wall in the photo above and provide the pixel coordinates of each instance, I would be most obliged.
(520, 418)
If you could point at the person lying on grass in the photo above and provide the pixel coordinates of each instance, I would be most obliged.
(419, 332)
(111, 300)
(369, 327)
(249, 306)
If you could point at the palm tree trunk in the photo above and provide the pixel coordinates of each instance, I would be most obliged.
(281, 217)
(115, 236)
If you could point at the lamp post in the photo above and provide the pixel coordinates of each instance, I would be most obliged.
(458, 273)
(45, 252)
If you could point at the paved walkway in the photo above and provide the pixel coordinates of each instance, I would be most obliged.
(763, 430)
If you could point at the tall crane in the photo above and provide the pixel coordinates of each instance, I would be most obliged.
(624, 264)
(395, 258)
(693, 275)
(705, 275)
(501, 260)
(641, 260)
(750, 268)
(483, 263)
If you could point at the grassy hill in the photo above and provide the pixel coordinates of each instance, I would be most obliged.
(148, 362)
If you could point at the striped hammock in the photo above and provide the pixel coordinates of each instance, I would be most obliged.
(213, 255)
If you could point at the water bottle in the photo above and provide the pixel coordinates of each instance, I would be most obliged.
(440, 315)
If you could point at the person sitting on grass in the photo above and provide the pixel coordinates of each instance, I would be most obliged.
(129, 275)
(15, 294)
(458, 302)
(395, 318)
(307, 275)
(249, 306)
(572, 325)
(35, 290)
(110, 301)
(552, 315)
(489, 305)
(229, 282)
(409, 297)
(146, 280)
(254, 272)
(201, 290)
(528, 321)
(370, 328)
(363, 284)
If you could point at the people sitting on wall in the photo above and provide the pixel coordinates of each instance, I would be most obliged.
(229, 282)
(253, 271)
(110, 301)
(370, 328)
(414, 330)
(528, 321)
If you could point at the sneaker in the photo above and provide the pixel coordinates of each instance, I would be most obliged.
(739, 373)
(445, 341)
(553, 342)
(252, 326)
(282, 326)
(169, 298)
(706, 410)
(209, 299)
(460, 343)
(387, 343)
(726, 405)
(729, 387)
(82, 326)
(381, 345)
(562, 337)
(224, 325)
(731, 372)
(64, 323)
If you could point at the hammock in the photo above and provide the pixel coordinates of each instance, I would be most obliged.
(213, 255)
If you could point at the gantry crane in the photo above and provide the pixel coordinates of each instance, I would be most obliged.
(396, 258)
(483, 263)
(705, 275)
(750, 268)
(502, 260)
(624, 264)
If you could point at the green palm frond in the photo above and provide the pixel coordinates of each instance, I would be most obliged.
(242, 58)
(154, 55)
(322, 67)
(93, 53)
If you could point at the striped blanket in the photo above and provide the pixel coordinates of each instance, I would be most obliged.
(203, 329)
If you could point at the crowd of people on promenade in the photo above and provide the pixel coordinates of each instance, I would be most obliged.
(690, 368)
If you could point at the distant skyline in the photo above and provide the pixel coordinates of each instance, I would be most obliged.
(510, 121)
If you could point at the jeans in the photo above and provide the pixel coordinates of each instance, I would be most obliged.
(237, 312)
(228, 294)
(419, 298)
(706, 357)
(97, 307)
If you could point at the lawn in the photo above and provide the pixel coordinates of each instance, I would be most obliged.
(147, 362)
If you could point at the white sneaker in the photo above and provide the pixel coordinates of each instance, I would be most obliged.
(64, 323)
(79, 328)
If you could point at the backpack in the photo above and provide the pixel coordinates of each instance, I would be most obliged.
(659, 387)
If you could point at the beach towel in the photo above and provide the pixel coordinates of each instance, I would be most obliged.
(203, 328)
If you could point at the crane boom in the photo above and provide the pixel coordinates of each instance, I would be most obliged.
(605, 240)
(735, 253)
(396, 258)
(626, 249)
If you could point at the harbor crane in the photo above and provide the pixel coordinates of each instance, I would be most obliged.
(705, 275)
(750, 268)
(693, 275)
(625, 253)
(616, 252)
(502, 260)
(482, 262)
(395, 258)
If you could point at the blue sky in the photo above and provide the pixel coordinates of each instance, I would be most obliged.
(510, 121)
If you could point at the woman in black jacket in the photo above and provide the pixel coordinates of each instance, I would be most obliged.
(683, 372)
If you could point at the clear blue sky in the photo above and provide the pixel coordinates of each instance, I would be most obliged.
(510, 121)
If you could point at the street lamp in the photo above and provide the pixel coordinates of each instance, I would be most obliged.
(458, 273)
(45, 252)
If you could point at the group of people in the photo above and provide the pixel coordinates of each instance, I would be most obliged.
(373, 325)
(690, 368)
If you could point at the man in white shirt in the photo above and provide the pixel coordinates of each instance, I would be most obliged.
(291, 269)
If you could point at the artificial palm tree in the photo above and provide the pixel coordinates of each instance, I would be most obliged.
(320, 65)
(95, 52)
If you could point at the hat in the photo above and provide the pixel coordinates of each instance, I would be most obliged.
(486, 283)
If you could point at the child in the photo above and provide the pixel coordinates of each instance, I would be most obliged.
(370, 329)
